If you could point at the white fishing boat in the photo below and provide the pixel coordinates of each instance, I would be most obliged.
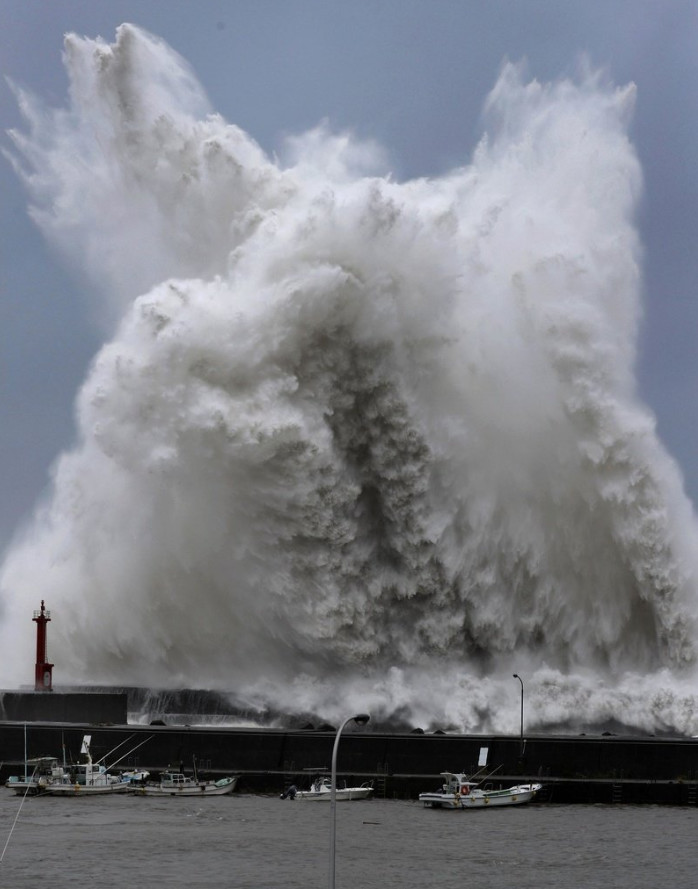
(90, 778)
(40, 771)
(321, 789)
(87, 778)
(177, 784)
(460, 792)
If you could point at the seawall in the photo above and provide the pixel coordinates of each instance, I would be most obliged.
(587, 769)
(64, 706)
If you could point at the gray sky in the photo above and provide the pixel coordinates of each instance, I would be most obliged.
(411, 74)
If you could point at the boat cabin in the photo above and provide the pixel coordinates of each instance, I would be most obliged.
(175, 778)
(457, 782)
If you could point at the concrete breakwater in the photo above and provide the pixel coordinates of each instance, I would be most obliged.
(585, 769)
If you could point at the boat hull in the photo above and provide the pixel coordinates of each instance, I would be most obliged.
(346, 793)
(24, 788)
(86, 789)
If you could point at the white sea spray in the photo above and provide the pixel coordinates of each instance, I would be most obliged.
(354, 441)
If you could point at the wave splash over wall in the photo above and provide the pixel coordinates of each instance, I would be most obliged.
(356, 442)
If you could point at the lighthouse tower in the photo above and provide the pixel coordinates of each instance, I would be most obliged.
(42, 673)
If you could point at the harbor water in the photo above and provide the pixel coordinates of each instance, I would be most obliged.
(262, 842)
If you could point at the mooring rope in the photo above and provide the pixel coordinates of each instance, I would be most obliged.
(14, 823)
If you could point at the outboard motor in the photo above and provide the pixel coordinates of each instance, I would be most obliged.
(290, 793)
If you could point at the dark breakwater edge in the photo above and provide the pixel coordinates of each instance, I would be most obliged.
(603, 769)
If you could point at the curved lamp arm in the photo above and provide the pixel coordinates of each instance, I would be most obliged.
(359, 719)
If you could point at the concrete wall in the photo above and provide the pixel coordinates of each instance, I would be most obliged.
(288, 754)
(56, 706)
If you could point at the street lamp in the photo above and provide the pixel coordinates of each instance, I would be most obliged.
(516, 676)
(360, 719)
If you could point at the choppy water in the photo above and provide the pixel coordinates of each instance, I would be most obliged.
(262, 842)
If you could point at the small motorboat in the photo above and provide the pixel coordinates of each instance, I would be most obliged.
(321, 789)
(177, 784)
(135, 776)
(460, 792)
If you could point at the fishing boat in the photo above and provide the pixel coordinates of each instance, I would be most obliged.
(39, 772)
(321, 789)
(461, 792)
(87, 778)
(177, 784)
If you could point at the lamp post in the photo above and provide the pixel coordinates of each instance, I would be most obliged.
(360, 719)
(516, 676)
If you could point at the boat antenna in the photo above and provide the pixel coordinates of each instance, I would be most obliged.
(129, 752)
(120, 744)
(488, 776)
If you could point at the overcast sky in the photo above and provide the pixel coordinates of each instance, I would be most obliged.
(410, 74)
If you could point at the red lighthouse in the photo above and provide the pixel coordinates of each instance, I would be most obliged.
(42, 674)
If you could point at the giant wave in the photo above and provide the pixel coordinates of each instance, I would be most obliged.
(355, 442)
